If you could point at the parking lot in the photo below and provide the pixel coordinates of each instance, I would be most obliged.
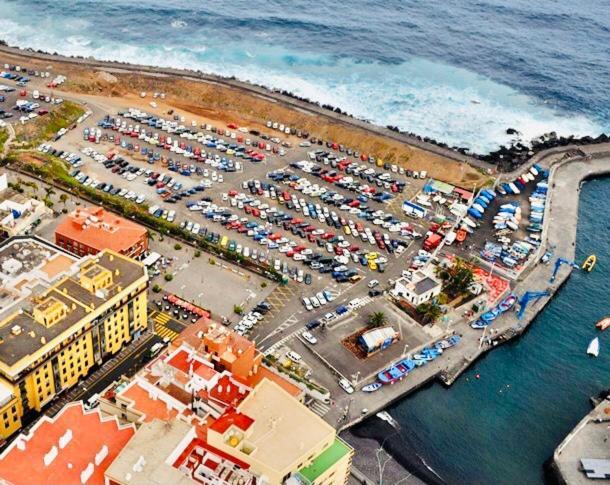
(330, 349)
(21, 102)
(284, 235)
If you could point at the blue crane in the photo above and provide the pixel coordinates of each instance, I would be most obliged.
(558, 264)
(530, 296)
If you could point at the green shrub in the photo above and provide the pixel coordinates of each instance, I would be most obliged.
(168, 276)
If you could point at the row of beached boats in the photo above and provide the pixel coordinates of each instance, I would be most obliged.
(401, 369)
(488, 317)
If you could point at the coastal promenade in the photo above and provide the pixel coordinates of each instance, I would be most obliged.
(566, 176)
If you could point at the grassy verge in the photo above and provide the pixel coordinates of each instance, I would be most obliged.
(3, 138)
(55, 170)
(46, 127)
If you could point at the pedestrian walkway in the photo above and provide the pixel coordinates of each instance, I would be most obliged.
(318, 407)
(280, 343)
(161, 319)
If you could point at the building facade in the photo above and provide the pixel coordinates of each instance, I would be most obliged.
(60, 316)
(420, 288)
(19, 214)
(200, 423)
(91, 230)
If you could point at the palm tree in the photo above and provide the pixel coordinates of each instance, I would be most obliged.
(63, 198)
(430, 312)
(377, 319)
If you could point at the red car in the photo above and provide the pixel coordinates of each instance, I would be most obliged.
(233, 126)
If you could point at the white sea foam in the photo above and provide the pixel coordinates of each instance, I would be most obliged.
(178, 24)
(420, 96)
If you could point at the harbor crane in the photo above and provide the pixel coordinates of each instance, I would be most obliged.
(530, 296)
(558, 264)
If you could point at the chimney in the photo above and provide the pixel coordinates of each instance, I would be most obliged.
(100, 455)
(65, 439)
(86, 473)
(50, 456)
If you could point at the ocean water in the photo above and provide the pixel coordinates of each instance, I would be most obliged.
(459, 71)
(502, 427)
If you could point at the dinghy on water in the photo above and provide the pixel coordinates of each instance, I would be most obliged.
(603, 324)
(593, 348)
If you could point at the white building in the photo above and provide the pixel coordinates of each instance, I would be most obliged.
(18, 214)
(421, 288)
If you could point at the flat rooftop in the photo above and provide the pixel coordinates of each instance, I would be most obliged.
(100, 229)
(35, 271)
(325, 460)
(143, 460)
(84, 434)
(283, 428)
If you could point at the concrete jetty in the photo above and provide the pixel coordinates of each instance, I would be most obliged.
(585, 449)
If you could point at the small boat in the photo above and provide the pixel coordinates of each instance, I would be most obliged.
(603, 324)
(460, 235)
(372, 387)
(589, 263)
(507, 303)
(593, 348)
(469, 222)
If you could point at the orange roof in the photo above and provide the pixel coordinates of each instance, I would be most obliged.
(206, 372)
(232, 418)
(142, 402)
(180, 361)
(90, 432)
(100, 229)
(227, 391)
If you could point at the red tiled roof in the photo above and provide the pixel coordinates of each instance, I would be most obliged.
(227, 391)
(206, 372)
(89, 434)
(108, 232)
(180, 361)
(150, 408)
(232, 418)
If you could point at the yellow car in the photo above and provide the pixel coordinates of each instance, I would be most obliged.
(224, 241)
(372, 265)
(347, 230)
(372, 256)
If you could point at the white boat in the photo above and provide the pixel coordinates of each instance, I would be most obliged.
(469, 222)
(593, 348)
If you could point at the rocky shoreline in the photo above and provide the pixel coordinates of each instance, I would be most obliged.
(504, 159)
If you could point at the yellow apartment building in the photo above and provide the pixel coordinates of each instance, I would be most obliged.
(59, 317)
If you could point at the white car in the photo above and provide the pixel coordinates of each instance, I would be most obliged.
(373, 283)
(293, 356)
(346, 386)
(309, 338)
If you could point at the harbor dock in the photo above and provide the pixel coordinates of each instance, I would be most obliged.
(584, 453)
(566, 175)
